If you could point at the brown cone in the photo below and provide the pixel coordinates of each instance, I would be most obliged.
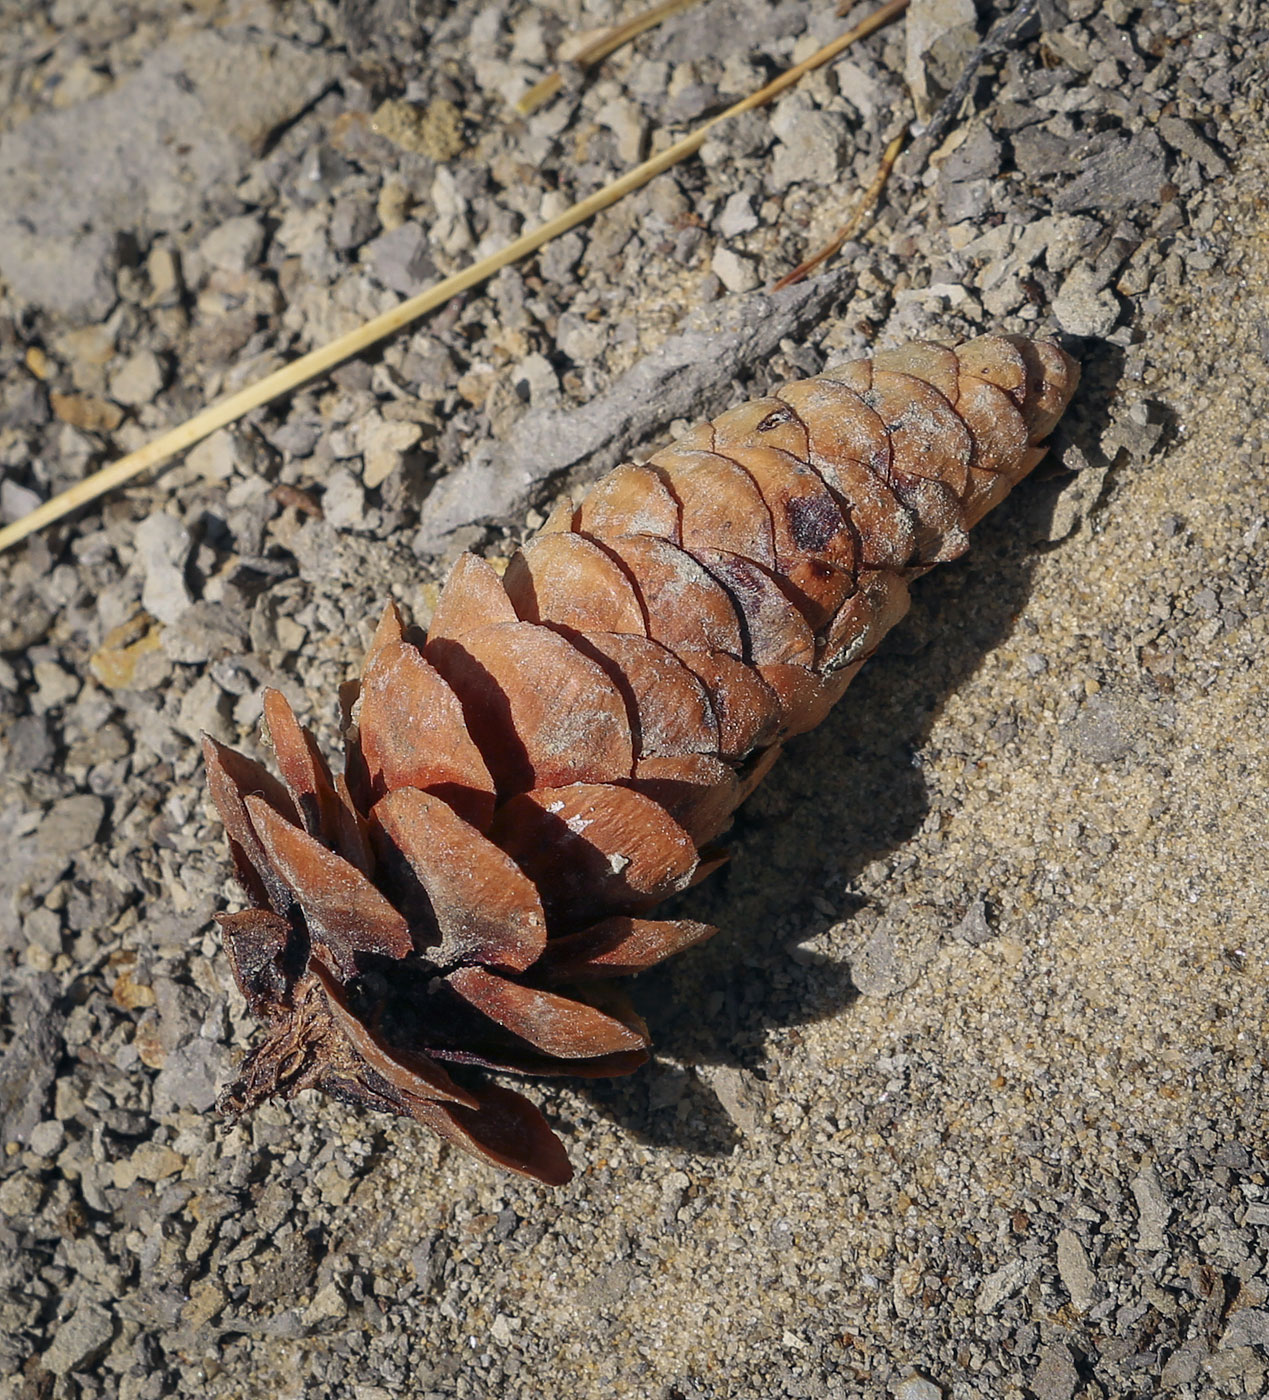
(559, 757)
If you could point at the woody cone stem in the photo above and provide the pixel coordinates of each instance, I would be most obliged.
(566, 747)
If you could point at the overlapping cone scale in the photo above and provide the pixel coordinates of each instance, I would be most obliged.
(564, 749)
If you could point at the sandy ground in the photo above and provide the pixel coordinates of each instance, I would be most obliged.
(969, 1098)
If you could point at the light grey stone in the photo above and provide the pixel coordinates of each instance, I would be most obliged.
(140, 157)
(812, 144)
(16, 501)
(738, 216)
(1055, 1377)
(189, 1077)
(138, 379)
(344, 500)
(1007, 1280)
(80, 1340)
(234, 245)
(1118, 173)
(205, 709)
(163, 546)
(1248, 1327)
(1099, 732)
(941, 35)
(400, 259)
(71, 825)
(46, 1139)
(737, 274)
(29, 1063)
(1084, 308)
(1153, 1211)
(1075, 1270)
(917, 1388)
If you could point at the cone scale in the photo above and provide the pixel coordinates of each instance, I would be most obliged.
(520, 791)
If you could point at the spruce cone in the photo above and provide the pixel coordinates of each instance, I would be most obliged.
(567, 744)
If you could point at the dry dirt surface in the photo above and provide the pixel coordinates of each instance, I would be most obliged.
(969, 1098)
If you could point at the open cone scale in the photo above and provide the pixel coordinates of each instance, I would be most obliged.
(565, 747)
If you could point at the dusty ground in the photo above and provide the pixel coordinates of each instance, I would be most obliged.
(970, 1098)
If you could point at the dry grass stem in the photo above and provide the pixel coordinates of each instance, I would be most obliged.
(289, 377)
(596, 48)
(867, 202)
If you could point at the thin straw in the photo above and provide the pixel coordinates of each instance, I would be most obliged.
(282, 381)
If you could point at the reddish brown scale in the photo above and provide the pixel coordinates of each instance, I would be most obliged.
(572, 739)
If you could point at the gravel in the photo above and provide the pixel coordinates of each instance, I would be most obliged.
(969, 1098)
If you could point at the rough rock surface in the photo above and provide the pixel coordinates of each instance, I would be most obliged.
(969, 1100)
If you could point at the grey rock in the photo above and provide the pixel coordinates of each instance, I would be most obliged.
(535, 379)
(235, 245)
(1249, 1327)
(16, 501)
(1098, 731)
(80, 1340)
(917, 1387)
(23, 621)
(1083, 307)
(297, 437)
(400, 259)
(967, 199)
(189, 1077)
(138, 379)
(975, 928)
(1117, 172)
(54, 686)
(1076, 501)
(1182, 136)
(29, 1064)
(47, 1138)
(203, 632)
(738, 216)
(28, 746)
(1007, 1280)
(140, 157)
(737, 274)
(181, 1011)
(976, 158)
(205, 709)
(876, 970)
(163, 546)
(344, 501)
(691, 102)
(941, 36)
(23, 404)
(1184, 1365)
(811, 146)
(70, 826)
(1075, 1271)
(581, 340)
(861, 88)
(560, 256)
(1039, 151)
(1133, 432)
(352, 222)
(1152, 1211)
(739, 1095)
(1056, 1377)
(747, 134)
(687, 375)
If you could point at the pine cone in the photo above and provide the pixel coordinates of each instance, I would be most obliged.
(566, 745)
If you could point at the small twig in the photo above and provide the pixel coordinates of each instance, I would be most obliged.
(289, 377)
(866, 202)
(607, 41)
